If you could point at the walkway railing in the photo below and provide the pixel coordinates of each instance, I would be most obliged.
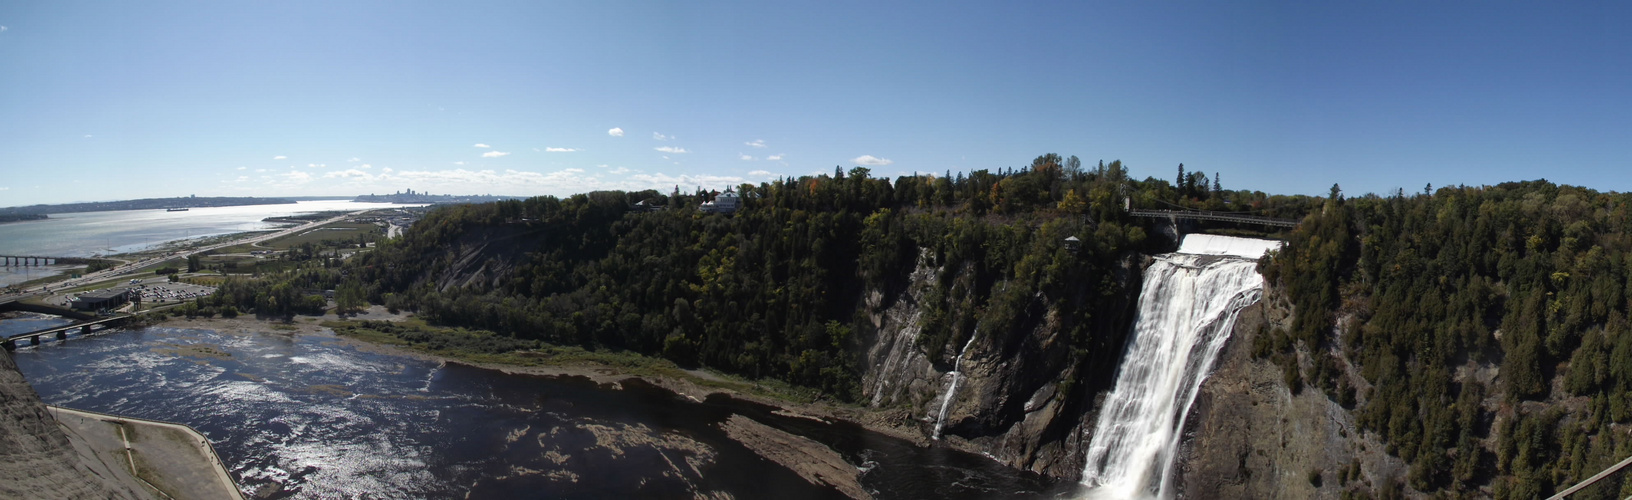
(1594, 479)
(1214, 216)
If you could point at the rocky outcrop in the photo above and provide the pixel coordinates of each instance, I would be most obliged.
(483, 257)
(898, 372)
(1019, 400)
(1249, 436)
(37, 460)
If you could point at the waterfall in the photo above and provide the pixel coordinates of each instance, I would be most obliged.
(1187, 307)
(946, 402)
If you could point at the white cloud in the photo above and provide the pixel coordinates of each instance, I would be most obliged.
(661, 137)
(615, 132)
(560, 150)
(758, 143)
(258, 170)
(8, 188)
(88, 136)
(458, 163)
(480, 145)
(745, 157)
(872, 161)
(671, 149)
(316, 165)
(354, 160)
(760, 173)
(350, 173)
(560, 182)
(280, 157)
(660, 180)
(603, 165)
(366, 166)
(494, 154)
(774, 157)
(2, 30)
(241, 168)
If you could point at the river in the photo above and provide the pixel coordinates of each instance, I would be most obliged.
(315, 416)
(87, 234)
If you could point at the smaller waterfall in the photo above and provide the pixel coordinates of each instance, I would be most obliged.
(957, 375)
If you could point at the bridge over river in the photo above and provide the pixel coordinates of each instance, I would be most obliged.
(37, 260)
(83, 322)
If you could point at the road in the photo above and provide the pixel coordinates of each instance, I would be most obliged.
(132, 266)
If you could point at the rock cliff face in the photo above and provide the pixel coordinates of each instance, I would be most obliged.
(1018, 399)
(37, 460)
(1024, 399)
(1249, 436)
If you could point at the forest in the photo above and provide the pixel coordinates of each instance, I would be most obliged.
(1402, 301)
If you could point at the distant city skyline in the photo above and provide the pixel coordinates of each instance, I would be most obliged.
(111, 100)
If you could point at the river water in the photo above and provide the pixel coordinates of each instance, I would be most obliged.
(89, 234)
(314, 416)
(105, 233)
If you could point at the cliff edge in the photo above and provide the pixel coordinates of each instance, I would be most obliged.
(37, 460)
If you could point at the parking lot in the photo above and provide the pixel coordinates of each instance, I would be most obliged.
(163, 293)
(153, 291)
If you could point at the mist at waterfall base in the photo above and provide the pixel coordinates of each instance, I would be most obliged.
(1187, 306)
(317, 416)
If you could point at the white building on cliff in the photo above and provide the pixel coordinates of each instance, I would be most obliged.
(726, 203)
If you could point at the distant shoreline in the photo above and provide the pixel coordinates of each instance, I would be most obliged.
(10, 218)
(142, 204)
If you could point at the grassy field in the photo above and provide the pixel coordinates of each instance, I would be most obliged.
(346, 232)
(237, 259)
(66, 274)
(234, 264)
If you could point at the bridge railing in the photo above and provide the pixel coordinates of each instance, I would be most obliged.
(1214, 216)
(1611, 480)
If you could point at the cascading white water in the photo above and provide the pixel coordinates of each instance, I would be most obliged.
(1187, 307)
(957, 374)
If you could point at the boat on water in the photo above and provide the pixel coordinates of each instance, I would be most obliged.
(175, 209)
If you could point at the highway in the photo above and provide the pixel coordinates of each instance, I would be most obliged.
(127, 267)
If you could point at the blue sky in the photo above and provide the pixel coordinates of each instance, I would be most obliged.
(116, 100)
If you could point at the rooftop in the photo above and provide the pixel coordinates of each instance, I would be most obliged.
(103, 294)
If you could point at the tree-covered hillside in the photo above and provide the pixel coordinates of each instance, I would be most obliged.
(1402, 301)
(781, 288)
